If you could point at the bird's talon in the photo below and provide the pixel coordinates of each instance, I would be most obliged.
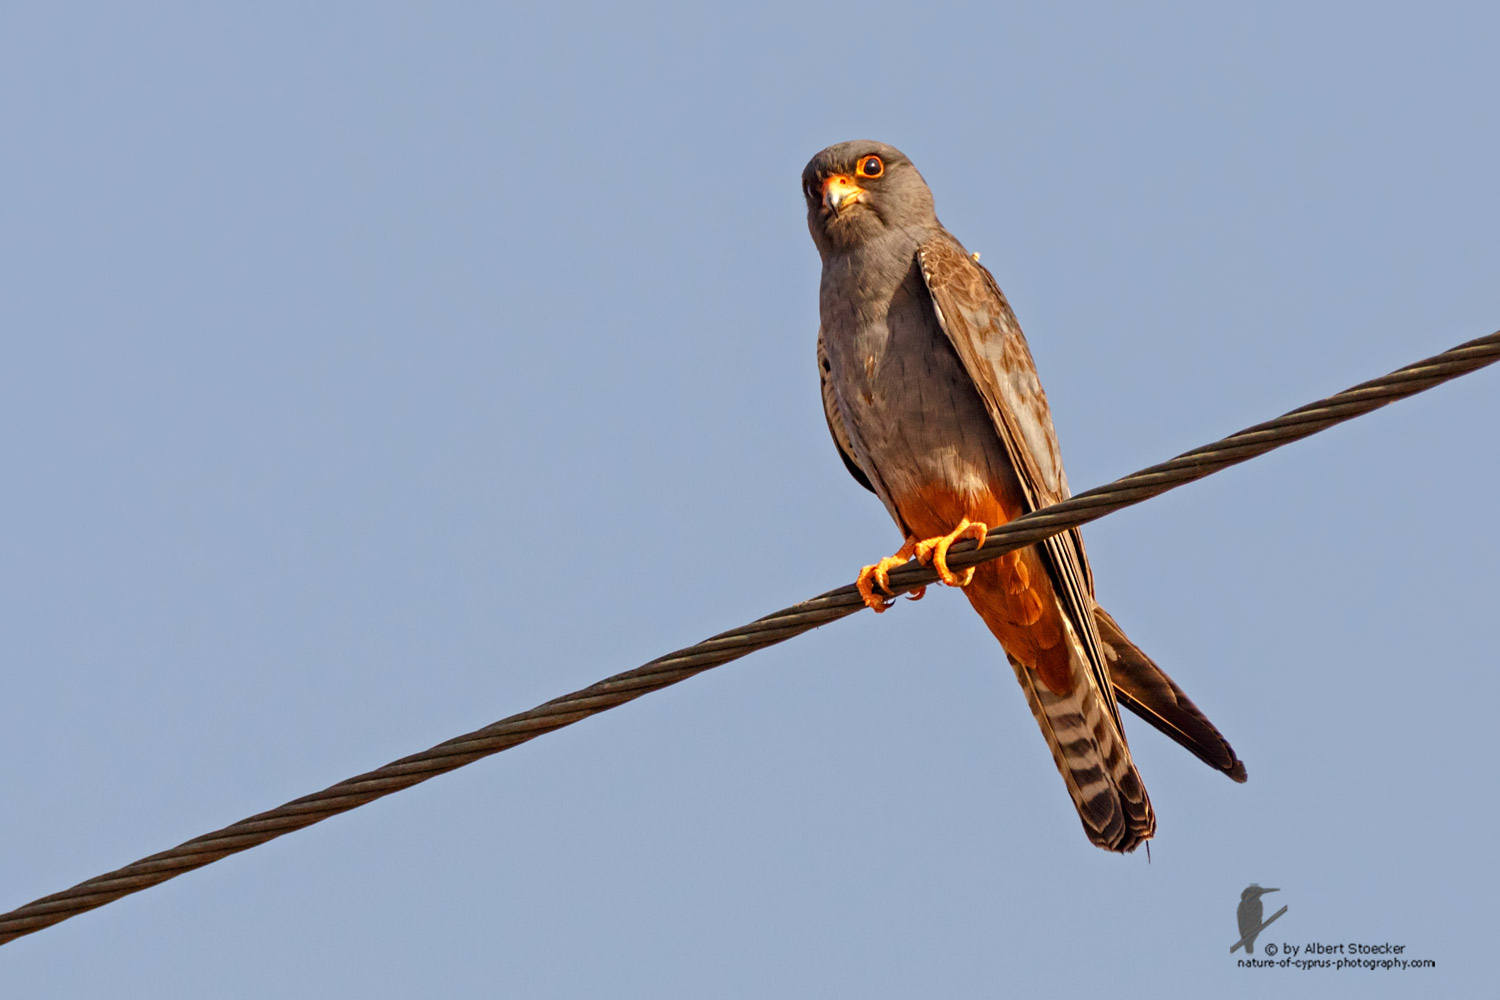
(933, 552)
(870, 577)
(879, 575)
(917, 595)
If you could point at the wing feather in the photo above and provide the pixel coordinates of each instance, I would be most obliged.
(978, 321)
(835, 418)
(1145, 689)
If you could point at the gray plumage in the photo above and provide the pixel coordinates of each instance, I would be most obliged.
(931, 396)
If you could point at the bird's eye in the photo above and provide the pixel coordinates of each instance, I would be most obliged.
(870, 166)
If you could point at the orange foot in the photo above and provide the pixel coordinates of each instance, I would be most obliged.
(934, 551)
(878, 575)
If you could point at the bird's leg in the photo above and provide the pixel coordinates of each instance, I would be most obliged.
(878, 575)
(934, 551)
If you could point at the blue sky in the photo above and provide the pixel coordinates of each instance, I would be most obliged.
(372, 373)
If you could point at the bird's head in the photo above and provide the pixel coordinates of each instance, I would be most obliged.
(1253, 891)
(859, 191)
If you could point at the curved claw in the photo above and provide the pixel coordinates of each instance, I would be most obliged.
(878, 575)
(934, 551)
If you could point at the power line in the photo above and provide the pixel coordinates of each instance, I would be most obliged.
(768, 631)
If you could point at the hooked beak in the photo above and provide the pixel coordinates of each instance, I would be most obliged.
(839, 191)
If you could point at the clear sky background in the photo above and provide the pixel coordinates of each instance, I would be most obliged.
(374, 371)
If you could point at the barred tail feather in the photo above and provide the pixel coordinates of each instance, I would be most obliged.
(1094, 761)
(1079, 725)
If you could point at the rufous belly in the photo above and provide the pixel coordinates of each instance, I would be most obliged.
(1013, 594)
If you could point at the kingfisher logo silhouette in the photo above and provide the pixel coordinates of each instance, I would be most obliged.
(1249, 914)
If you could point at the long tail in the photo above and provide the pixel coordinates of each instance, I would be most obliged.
(1079, 725)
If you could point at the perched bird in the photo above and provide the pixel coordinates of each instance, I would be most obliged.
(1249, 915)
(933, 400)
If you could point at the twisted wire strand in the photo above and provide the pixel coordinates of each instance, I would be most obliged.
(726, 646)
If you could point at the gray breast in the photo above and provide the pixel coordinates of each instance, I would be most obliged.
(913, 414)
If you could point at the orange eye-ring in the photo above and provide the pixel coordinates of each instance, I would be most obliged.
(870, 166)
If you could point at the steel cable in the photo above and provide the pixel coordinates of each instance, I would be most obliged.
(768, 631)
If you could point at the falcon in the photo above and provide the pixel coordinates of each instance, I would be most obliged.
(933, 400)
